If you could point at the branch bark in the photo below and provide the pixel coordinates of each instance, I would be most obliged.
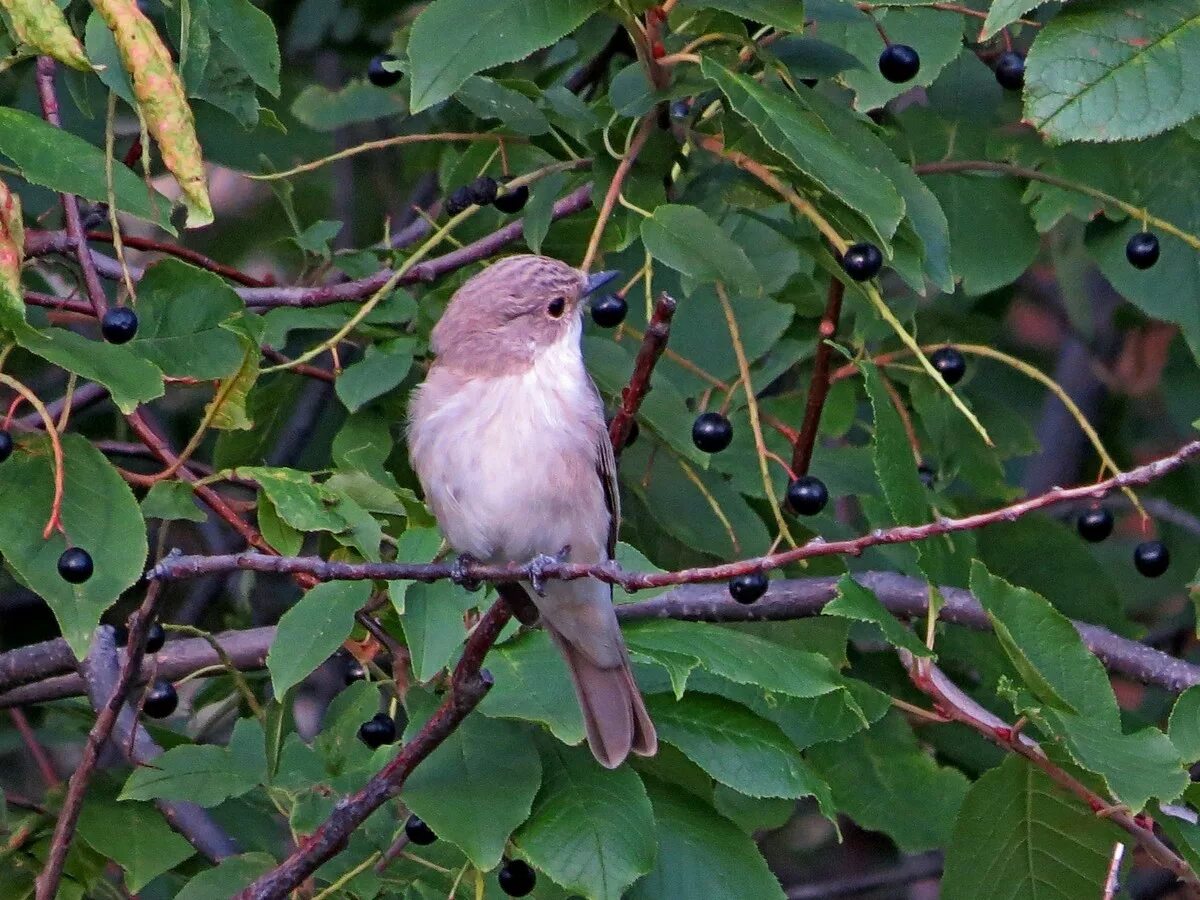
(654, 341)
(818, 385)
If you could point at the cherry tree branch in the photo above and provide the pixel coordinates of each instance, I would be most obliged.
(818, 385)
(654, 341)
(186, 254)
(176, 566)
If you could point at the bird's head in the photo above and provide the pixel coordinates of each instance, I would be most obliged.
(502, 318)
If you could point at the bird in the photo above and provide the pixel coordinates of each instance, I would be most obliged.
(507, 437)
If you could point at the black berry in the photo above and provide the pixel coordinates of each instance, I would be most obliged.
(483, 190)
(927, 474)
(75, 565)
(748, 588)
(119, 325)
(377, 731)
(1151, 558)
(155, 638)
(161, 700)
(609, 311)
(1010, 71)
(418, 832)
(899, 63)
(517, 878)
(120, 635)
(711, 432)
(378, 75)
(459, 199)
(807, 495)
(512, 201)
(950, 363)
(1095, 524)
(862, 261)
(1142, 250)
(6, 445)
(679, 109)
(354, 672)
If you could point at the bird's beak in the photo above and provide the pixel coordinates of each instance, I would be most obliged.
(596, 280)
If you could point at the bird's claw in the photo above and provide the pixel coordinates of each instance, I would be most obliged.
(538, 566)
(458, 572)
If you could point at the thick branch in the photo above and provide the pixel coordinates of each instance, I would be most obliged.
(653, 343)
(818, 385)
(178, 566)
(468, 686)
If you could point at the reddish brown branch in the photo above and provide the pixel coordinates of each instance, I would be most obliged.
(818, 385)
(187, 255)
(614, 188)
(469, 684)
(177, 566)
(654, 341)
(64, 827)
(41, 758)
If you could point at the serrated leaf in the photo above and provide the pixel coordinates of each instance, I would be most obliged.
(312, 630)
(784, 14)
(180, 312)
(1003, 13)
(298, 499)
(130, 380)
(249, 34)
(133, 835)
(433, 624)
(100, 514)
(455, 789)
(1184, 728)
(532, 684)
(204, 774)
(853, 601)
(228, 877)
(791, 130)
(701, 854)
(64, 162)
(453, 39)
(1018, 834)
(735, 746)
(591, 829)
(879, 771)
(1102, 72)
(489, 99)
(324, 110)
(1135, 766)
(687, 240)
(382, 367)
(170, 501)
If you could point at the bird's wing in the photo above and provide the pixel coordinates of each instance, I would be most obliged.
(606, 469)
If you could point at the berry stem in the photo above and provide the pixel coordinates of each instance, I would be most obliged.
(818, 385)
(644, 129)
(55, 521)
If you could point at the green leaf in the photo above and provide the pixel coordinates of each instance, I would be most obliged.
(853, 601)
(784, 14)
(807, 143)
(1003, 13)
(489, 99)
(1018, 834)
(312, 630)
(130, 379)
(701, 854)
(172, 500)
(592, 829)
(100, 514)
(456, 790)
(180, 312)
(1184, 728)
(540, 208)
(882, 770)
(532, 684)
(686, 239)
(1045, 648)
(735, 746)
(1135, 767)
(324, 110)
(228, 877)
(63, 162)
(276, 532)
(451, 40)
(300, 502)
(740, 657)
(433, 624)
(204, 774)
(1101, 72)
(133, 835)
(249, 34)
(384, 366)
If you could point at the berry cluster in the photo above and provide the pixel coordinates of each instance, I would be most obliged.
(485, 191)
(516, 877)
(1150, 558)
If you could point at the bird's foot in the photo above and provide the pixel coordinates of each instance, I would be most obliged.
(458, 572)
(541, 562)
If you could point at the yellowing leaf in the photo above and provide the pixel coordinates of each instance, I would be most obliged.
(160, 96)
(12, 240)
(41, 25)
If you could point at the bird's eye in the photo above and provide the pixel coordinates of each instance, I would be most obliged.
(556, 307)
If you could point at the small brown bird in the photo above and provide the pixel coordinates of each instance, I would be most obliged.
(507, 436)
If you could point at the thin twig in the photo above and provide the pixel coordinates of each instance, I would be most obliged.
(654, 342)
(818, 385)
(187, 255)
(645, 127)
(41, 758)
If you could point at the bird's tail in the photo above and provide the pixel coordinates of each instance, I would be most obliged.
(613, 712)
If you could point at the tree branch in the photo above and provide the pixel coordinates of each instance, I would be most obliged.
(818, 385)
(653, 343)
(176, 566)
